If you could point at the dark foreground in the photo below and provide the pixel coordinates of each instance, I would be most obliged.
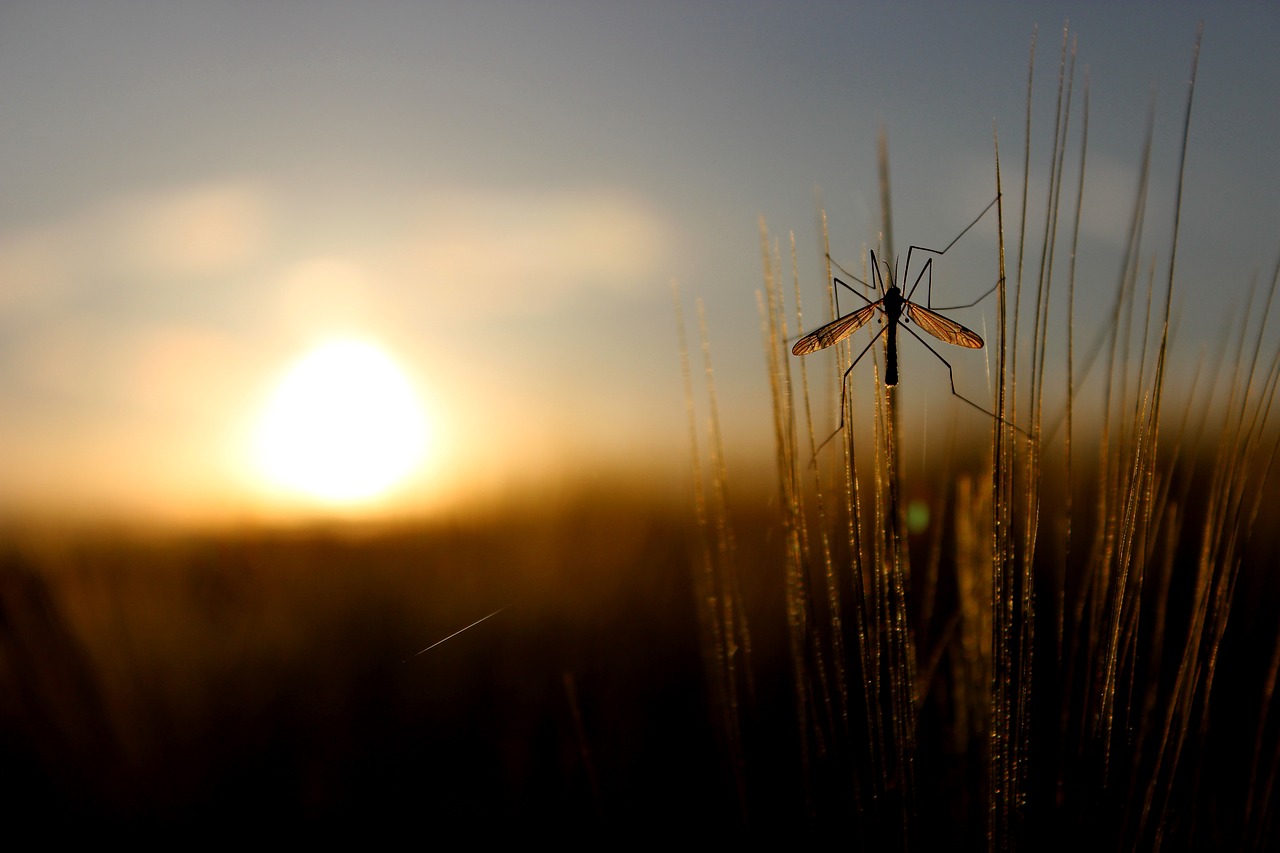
(269, 682)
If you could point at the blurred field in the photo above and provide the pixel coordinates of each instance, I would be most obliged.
(268, 680)
(226, 680)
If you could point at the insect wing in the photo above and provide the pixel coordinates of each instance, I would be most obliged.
(942, 328)
(836, 330)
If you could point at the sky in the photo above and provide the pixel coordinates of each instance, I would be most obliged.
(498, 196)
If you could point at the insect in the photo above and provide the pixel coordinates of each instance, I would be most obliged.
(897, 308)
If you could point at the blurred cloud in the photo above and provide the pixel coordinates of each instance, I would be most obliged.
(187, 372)
(521, 250)
(196, 231)
(329, 293)
(33, 270)
(163, 236)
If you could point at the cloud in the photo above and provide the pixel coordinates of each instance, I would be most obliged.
(328, 293)
(145, 238)
(1111, 185)
(166, 371)
(524, 249)
(34, 273)
(188, 371)
(196, 231)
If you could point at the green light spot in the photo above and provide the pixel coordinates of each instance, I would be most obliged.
(917, 516)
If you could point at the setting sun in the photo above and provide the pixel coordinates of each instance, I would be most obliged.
(344, 425)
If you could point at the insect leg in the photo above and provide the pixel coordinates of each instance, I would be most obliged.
(990, 290)
(951, 376)
(943, 251)
(925, 272)
(844, 387)
(836, 264)
(837, 296)
(862, 296)
(928, 272)
(854, 292)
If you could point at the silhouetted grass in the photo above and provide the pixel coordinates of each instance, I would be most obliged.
(1079, 649)
(1078, 652)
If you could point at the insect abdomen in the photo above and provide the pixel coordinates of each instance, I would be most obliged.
(891, 356)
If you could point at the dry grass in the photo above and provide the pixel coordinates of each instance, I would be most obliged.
(1078, 649)
(1070, 655)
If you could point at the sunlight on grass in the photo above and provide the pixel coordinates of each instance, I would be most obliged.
(1062, 656)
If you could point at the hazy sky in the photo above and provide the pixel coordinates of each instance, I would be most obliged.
(499, 194)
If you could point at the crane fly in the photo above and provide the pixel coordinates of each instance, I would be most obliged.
(892, 305)
(896, 308)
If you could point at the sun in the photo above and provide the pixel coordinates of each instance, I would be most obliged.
(343, 426)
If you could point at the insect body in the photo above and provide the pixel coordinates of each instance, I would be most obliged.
(897, 308)
(892, 305)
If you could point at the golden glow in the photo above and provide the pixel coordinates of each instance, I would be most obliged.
(344, 425)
